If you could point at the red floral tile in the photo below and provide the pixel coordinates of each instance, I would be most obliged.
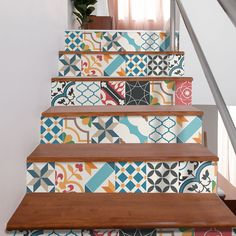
(183, 94)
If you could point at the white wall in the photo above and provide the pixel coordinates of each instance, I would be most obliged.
(31, 36)
(217, 36)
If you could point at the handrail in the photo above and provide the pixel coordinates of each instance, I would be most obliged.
(229, 6)
(172, 24)
(219, 100)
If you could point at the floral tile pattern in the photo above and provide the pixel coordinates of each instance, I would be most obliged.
(103, 130)
(92, 41)
(51, 130)
(176, 65)
(132, 129)
(114, 65)
(137, 93)
(63, 94)
(189, 129)
(162, 129)
(70, 65)
(212, 232)
(157, 65)
(130, 177)
(113, 93)
(137, 232)
(175, 232)
(40, 177)
(162, 93)
(87, 93)
(196, 177)
(183, 94)
(136, 65)
(162, 177)
(73, 41)
(77, 130)
(106, 232)
(92, 65)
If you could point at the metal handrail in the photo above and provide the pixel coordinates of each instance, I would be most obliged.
(229, 6)
(219, 100)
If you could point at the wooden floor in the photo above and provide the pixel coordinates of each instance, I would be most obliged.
(123, 152)
(131, 110)
(120, 210)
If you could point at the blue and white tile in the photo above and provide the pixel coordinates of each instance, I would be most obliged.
(152, 41)
(69, 65)
(136, 65)
(73, 41)
(157, 65)
(114, 65)
(176, 65)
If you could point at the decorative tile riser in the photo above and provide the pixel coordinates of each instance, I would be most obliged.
(136, 232)
(126, 177)
(121, 93)
(117, 41)
(85, 65)
(119, 129)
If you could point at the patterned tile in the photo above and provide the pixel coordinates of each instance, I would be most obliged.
(92, 41)
(162, 129)
(152, 41)
(100, 177)
(40, 177)
(162, 177)
(53, 233)
(70, 65)
(51, 130)
(92, 65)
(157, 65)
(176, 65)
(130, 177)
(121, 41)
(213, 232)
(196, 177)
(162, 92)
(103, 129)
(137, 232)
(87, 93)
(189, 129)
(106, 232)
(136, 65)
(69, 177)
(113, 93)
(73, 41)
(137, 93)
(63, 93)
(132, 129)
(183, 94)
(175, 232)
(77, 130)
(114, 65)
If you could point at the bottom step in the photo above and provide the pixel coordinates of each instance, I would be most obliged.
(69, 211)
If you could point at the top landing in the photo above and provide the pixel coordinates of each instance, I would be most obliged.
(113, 41)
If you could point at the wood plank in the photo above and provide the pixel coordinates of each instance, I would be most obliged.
(124, 52)
(162, 152)
(121, 78)
(117, 210)
(134, 110)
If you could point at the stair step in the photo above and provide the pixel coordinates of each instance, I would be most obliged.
(120, 211)
(117, 40)
(121, 153)
(117, 64)
(131, 110)
(121, 91)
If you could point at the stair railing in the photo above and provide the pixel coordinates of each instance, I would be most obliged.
(219, 100)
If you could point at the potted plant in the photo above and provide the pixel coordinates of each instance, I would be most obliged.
(83, 10)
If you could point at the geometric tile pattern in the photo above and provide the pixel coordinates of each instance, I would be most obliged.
(122, 129)
(51, 130)
(130, 177)
(127, 177)
(102, 64)
(41, 177)
(130, 232)
(70, 65)
(162, 177)
(137, 93)
(121, 93)
(116, 41)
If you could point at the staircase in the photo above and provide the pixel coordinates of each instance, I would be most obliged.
(120, 148)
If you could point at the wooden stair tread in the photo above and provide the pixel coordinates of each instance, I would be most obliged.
(121, 78)
(120, 210)
(118, 153)
(124, 52)
(131, 110)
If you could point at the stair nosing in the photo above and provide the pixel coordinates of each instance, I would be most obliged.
(124, 52)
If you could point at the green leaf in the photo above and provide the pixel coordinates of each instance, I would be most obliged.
(89, 11)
